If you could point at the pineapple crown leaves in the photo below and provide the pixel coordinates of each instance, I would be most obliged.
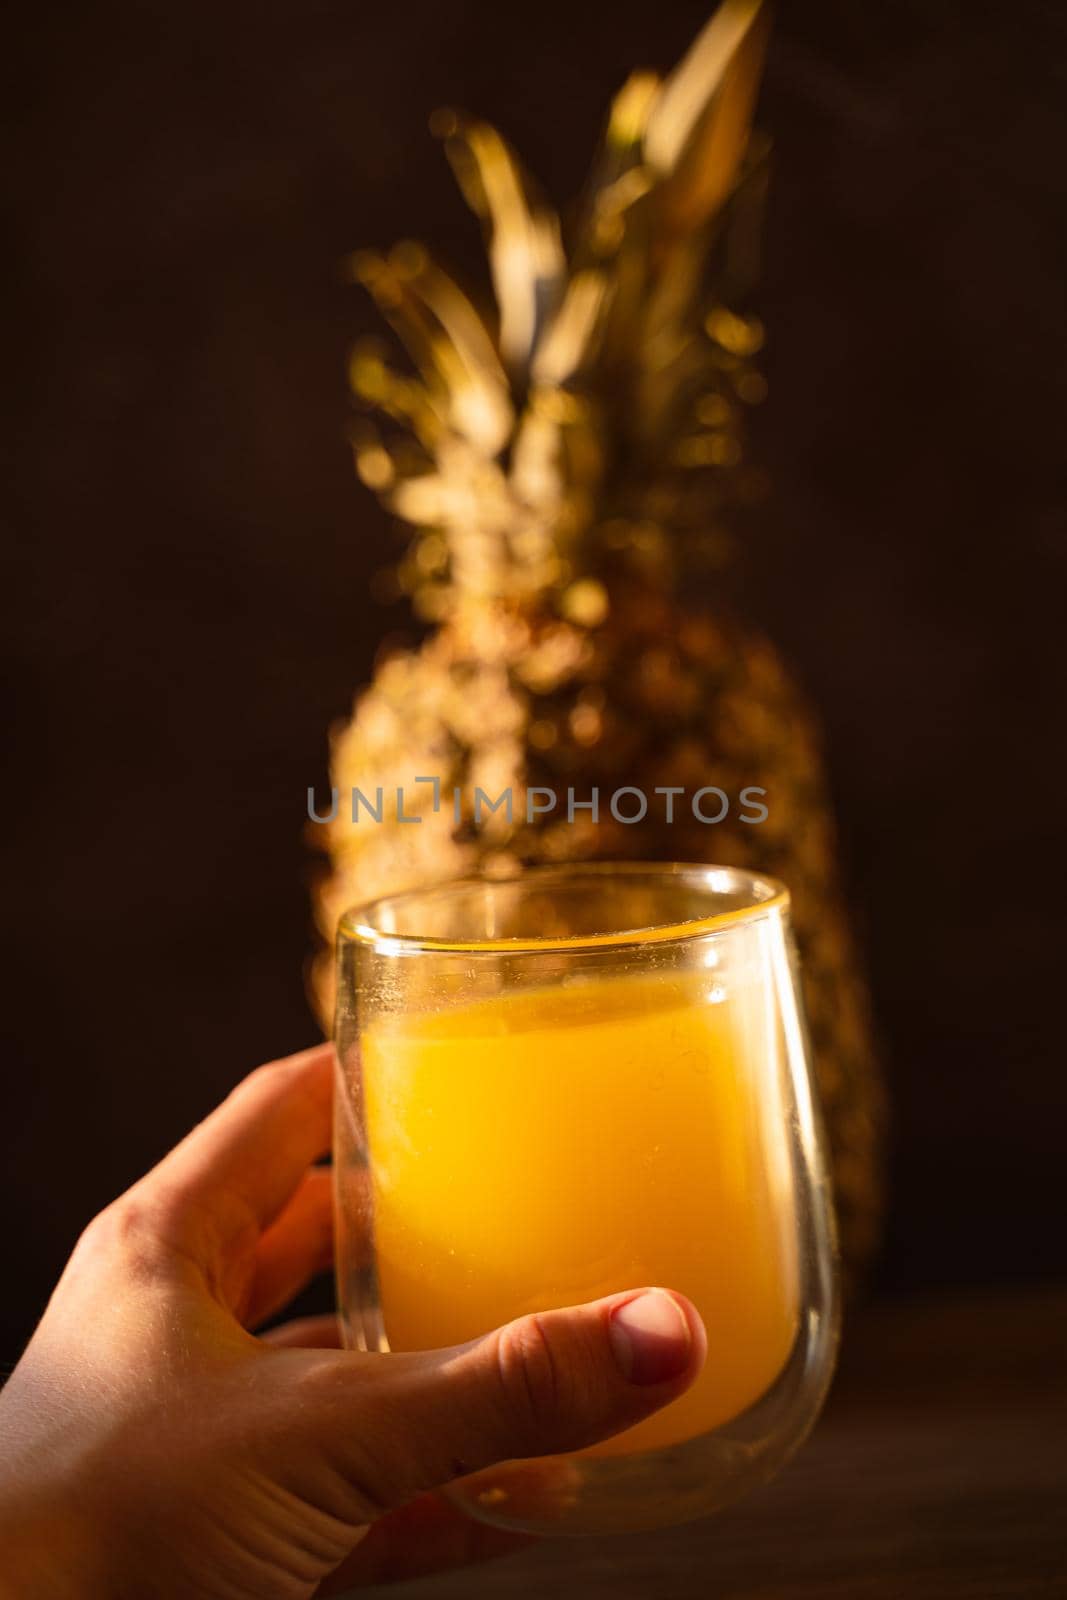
(506, 430)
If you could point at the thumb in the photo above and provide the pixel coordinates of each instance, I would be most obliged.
(547, 1383)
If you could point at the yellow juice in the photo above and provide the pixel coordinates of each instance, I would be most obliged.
(548, 1146)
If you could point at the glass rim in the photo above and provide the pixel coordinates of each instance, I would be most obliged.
(766, 895)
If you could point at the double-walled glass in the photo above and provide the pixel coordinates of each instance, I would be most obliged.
(589, 1079)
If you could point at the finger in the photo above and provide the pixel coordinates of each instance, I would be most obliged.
(557, 1381)
(427, 1535)
(306, 1333)
(240, 1166)
(300, 1242)
(296, 1247)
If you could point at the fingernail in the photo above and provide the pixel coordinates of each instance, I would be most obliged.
(650, 1338)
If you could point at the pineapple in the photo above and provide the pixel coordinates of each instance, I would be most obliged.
(573, 474)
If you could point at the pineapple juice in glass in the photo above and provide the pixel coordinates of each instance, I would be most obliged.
(583, 1080)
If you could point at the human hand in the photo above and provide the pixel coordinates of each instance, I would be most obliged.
(154, 1449)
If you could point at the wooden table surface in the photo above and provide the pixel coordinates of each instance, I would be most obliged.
(938, 1470)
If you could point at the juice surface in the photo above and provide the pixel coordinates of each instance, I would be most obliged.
(549, 1146)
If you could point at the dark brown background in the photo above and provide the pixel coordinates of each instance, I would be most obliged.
(191, 554)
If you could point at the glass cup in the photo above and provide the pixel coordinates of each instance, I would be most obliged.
(588, 1079)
